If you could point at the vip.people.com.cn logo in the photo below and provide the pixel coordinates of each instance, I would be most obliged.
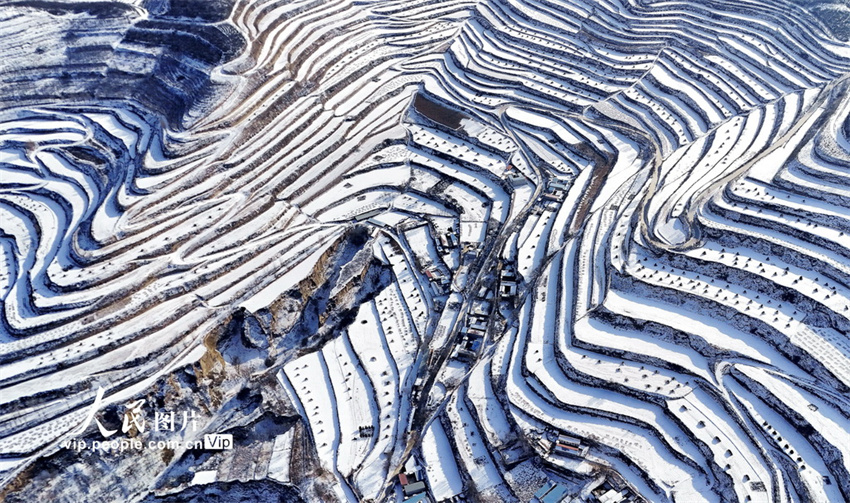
(136, 418)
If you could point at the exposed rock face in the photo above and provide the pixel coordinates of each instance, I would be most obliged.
(603, 241)
(233, 492)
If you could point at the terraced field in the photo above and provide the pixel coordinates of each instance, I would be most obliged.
(494, 246)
